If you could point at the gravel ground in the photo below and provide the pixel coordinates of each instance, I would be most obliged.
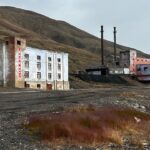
(17, 105)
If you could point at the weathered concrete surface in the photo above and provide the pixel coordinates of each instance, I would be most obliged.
(1, 64)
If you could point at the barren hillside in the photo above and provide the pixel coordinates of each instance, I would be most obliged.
(46, 33)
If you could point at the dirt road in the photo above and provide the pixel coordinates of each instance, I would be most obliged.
(16, 105)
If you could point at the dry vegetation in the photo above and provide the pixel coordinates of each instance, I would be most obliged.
(91, 126)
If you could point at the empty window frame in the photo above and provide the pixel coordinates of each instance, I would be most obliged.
(26, 56)
(59, 66)
(138, 69)
(38, 65)
(18, 42)
(38, 75)
(49, 76)
(59, 76)
(49, 66)
(26, 64)
(145, 68)
(26, 74)
(49, 59)
(38, 58)
(125, 65)
(59, 60)
(7, 42)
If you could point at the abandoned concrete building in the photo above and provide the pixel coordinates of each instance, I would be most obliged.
(26, 67)
(129, 59)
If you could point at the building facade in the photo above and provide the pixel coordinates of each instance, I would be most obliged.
(26, 67)
(143, 72)
(129, 59)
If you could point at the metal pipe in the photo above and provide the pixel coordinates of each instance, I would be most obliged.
(115, 44)
(102, 46)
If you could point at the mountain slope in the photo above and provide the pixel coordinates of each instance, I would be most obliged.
(46, 33)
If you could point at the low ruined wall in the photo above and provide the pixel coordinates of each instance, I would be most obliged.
(56, 85)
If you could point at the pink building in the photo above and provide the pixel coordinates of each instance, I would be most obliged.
(129, 59)
(143, 72)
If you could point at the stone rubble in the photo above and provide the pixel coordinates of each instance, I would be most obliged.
(13, 135)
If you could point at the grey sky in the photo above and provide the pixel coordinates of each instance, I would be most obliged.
(131, 17)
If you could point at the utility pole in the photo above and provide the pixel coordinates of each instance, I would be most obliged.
(102, 46)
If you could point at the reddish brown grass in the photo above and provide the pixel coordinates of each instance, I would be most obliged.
(94, 126)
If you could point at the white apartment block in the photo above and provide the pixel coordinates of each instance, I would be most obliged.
(26, 67)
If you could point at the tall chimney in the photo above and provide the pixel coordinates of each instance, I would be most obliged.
(115, 44)
(102, 46)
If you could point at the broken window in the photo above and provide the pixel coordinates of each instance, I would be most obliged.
(39, 58)
(18, 42)
(27, 64)
(7, 42)
(125, 65)
(58, 59)
(26, 74)
(49, 76)
(59, 76)
(26, 56)
(38, 65)
(138, 69)
(38, 75)
(145, 68)
(49, 59)
(49, 66)
(59, 66)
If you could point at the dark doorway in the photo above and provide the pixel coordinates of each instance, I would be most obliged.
(26, 85)
(38, 86)
(49, 87)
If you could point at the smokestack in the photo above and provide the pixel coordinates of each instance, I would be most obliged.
(102, 46)
(115, 31)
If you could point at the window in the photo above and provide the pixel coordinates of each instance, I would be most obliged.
(26, 64)
(49, 76)
(58, 59)
(38, 65)
(26, 56)
(38, 75)
(38, 86)
(145, 68)
(7, 42)
(138, 69)
(18, 42)
(49, 59)
(49, 66)
(59, 66)
(125, 65)
(39, 58)
(59, 76)
(26, 74)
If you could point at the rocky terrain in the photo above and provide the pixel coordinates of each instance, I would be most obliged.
(16, 105)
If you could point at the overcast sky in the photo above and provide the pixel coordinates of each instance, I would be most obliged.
(131, 17)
